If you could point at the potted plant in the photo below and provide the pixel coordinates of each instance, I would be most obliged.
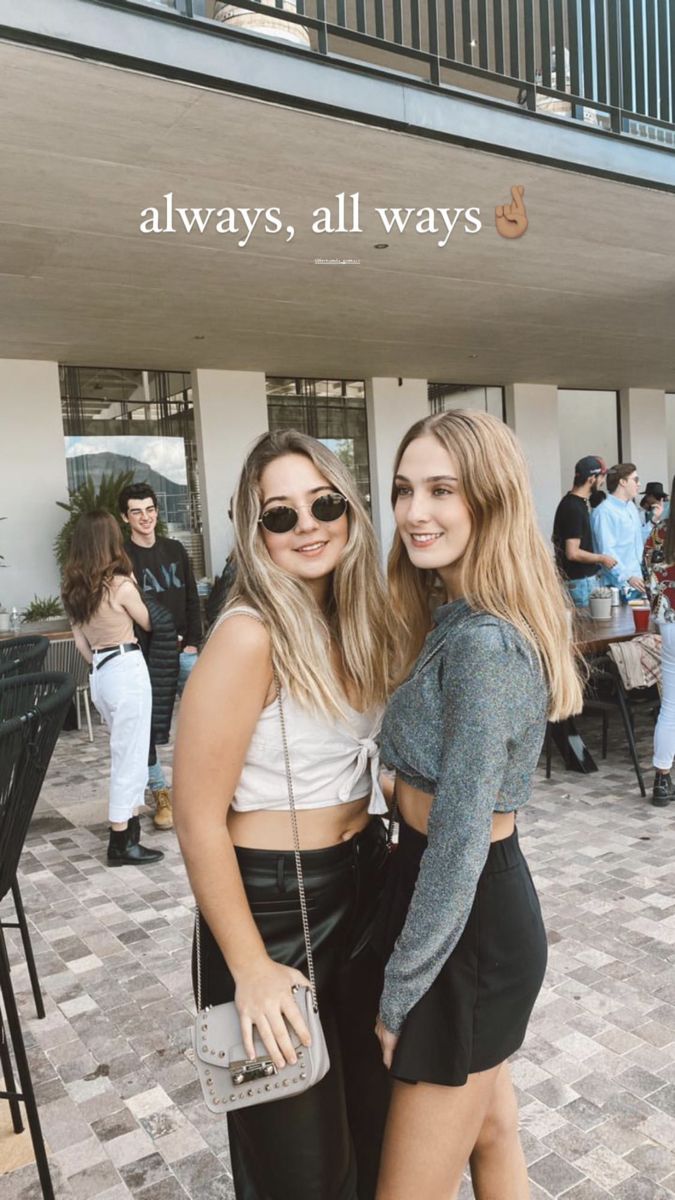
(601, 604)
(45, 608)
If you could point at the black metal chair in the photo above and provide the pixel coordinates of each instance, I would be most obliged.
(26, 745)
(21, 655)
(14, 702)
(605, 693)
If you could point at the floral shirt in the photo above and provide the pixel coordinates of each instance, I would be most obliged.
(659, 574)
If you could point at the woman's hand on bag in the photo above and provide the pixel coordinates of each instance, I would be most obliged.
(264, 997)
(387, 1040)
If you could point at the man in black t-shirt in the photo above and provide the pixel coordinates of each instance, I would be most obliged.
(576, 559)
(163, 570)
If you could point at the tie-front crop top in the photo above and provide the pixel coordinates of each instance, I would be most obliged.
(333, 761)
(467, 727)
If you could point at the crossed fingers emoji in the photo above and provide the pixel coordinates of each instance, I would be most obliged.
(511, 219)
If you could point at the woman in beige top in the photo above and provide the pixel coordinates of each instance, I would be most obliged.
(102, 600)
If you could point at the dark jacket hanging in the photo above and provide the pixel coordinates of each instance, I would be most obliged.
(160, 648)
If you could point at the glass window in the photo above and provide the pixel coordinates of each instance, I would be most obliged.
(118, 419)
(444, 397)
(332, 410)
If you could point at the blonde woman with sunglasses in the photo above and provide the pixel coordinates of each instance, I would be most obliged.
(309, 604)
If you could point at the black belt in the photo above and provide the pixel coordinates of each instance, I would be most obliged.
(112, 652)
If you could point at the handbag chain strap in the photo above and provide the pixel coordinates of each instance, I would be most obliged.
(296, 848)
(298, 869)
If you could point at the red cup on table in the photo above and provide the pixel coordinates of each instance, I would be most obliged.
(641, 615)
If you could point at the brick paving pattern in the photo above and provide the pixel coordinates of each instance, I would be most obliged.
(119, 1101)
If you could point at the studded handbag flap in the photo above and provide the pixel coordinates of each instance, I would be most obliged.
(229, 1080)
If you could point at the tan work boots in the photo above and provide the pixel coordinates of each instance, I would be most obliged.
(163, 817)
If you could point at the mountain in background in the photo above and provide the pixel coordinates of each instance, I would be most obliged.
(172, 497)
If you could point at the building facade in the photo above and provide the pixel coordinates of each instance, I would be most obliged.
(214, 225)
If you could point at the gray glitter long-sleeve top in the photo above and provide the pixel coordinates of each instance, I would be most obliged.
(467, 727)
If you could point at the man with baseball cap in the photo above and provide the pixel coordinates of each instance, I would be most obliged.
(577, 561)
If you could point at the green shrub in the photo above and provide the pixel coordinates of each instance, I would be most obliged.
(40, 608)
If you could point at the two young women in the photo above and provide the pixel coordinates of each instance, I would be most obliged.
(459, 922)
(102, 600)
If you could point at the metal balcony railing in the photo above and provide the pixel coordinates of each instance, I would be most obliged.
(607, 63)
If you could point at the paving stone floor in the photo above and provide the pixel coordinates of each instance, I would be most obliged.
(118, 1097)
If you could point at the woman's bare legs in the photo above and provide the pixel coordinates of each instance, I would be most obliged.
(497, 1161)
(431, 1133)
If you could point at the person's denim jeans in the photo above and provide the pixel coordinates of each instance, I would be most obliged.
(580, 590)
(664, 734)
(185, 664)
(156, 776)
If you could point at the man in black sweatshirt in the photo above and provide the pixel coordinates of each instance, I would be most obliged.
(162, 569)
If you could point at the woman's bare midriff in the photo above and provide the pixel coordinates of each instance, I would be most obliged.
(414, 806)
(318, 827)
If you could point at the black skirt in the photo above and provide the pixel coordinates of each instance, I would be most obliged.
(476, 1012)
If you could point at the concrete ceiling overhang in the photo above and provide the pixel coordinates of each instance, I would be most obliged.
(584, 299)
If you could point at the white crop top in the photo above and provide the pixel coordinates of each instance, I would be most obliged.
(332, 761)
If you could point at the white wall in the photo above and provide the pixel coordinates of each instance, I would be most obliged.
(670, 438)
(32, 479)
(643, 430)
(230, 413)
(532, 414)
(587, 424)
(391, 410)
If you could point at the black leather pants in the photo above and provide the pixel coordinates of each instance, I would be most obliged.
(325, 1143)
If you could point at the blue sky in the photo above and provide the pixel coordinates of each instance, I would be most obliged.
(163, 454)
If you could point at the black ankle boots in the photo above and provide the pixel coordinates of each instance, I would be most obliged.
(663, 791)
(124, 848)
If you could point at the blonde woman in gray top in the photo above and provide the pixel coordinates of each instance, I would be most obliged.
(308, 603)
(462, 929)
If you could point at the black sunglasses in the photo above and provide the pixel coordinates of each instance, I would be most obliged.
(283, 518)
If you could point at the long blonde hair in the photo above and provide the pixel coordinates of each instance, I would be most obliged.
(356, 619)
(507, 569)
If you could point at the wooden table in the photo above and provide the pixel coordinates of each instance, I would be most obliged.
(594, 637)
(591, 637)
(58, 628)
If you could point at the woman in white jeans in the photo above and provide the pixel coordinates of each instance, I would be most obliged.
(659, 564)
(102, 601)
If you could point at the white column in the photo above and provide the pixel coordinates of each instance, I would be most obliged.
(230, 413)
(392, 406)
(644, 435)
(493, 402)
(532, 414)
(587, 424)
(32, 478)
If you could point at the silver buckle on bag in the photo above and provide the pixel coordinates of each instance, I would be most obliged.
(252, 1068)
